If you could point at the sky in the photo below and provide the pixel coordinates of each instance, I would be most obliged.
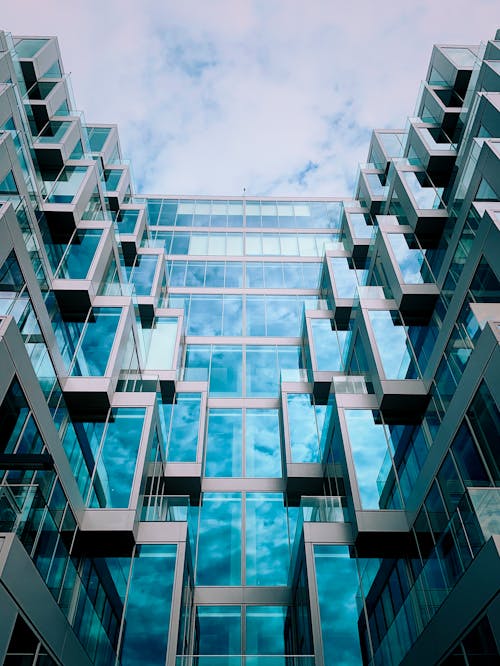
(274, 97)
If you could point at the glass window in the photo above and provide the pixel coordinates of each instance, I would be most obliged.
(329, 345)
(392, 344)
(468, 460)
(484, 419)
(267, 554)
(370, 454)
(220, 523)
(262, 443)
(149, 600)
(180, 422)
(337, 583)
(346, 283)
(98, 337)
(265, 631)
(262, 375)
(226, 371)
(219, 632)
(303, 427)
(117, 460)
(160, 355)
(28, 48)
(224, 443)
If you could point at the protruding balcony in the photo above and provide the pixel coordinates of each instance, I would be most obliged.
(81, 270)
(99, 351)
(56, 142)
(339, 285)
(358, 232)
(38, 57)
(130, 223)
(421, 202)
(397, 380)
(148, 277)
(116, 184)
(410, 278)
(371, 189)
(45, 99)
(441, 105)
(434, 149)
(163, 350)
(68, 193)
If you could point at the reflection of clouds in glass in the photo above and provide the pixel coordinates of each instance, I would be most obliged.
(369, 448)
(224, 436)
(183, 438)
(116, 465)
(262, 442)
(267, 553)
(391, 342)
(265, 630)
(219, 546)
(219, 630)
(337, 584)
(148, 606)
(304, 440)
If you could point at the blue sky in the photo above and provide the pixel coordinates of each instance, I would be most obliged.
(275, 96)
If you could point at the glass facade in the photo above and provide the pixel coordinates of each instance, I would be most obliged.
(250, 431)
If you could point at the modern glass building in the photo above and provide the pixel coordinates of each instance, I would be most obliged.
(242, 431)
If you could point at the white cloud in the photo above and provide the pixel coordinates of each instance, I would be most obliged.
(211, 97)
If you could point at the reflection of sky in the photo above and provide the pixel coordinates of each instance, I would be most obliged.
(391, 343)
(409, 261)
(219, 545)
(265, 627)
(337, 583)
(302, 428)
(182, 440)
(219, 630)
(117, 461)
(148, 606)
(369, 447)
(224, 437)
(345, 278)
(262, 443)
(328, 345)
(267, 554)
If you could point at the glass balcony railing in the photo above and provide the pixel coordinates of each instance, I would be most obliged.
(324, 510)
(165, 508)
(245, 660)
(486, 504)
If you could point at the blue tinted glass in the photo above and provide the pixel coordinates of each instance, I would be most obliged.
(370, 453)
(98, 337)
(393, 346)
(219, 633)
(337, 584)
(329, 345)
(267, 553)
(262, 443)
(116, 464)
(303, 429)
(182, 438)
(220, 523)
(224, 437)
(205, 315)
(232, 317)
(197, 362)
(226, 371)
(266, 630)
(262, 371)
(147, 614)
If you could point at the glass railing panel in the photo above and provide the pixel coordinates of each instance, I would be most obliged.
(486, 504)
(411, 261)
